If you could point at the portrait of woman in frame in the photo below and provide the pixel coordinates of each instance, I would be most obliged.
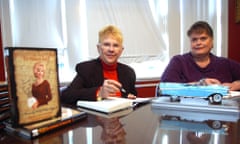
(33, 83)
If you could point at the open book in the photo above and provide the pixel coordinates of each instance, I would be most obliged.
(111, 104)
(118, 114)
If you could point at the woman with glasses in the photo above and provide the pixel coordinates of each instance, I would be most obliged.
(104, 76)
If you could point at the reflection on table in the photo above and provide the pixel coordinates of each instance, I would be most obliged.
(112, 130)
(195, 127)
(141, 126)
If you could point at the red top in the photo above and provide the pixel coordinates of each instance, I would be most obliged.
(110, 72)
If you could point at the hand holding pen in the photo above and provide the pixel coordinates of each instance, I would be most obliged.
(110, 87)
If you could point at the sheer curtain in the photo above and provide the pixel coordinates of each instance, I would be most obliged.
(154, 30)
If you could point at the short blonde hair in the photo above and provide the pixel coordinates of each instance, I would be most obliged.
(111, 31)
(38, 64)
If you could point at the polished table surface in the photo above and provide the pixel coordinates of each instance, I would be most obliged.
(141, 126)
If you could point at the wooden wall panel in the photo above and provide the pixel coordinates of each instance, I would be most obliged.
(146, 88)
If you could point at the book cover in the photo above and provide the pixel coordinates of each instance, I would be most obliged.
(30, 131)
(109, 105)
(33, 84)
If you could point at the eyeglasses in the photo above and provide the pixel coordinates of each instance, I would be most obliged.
(108, 45)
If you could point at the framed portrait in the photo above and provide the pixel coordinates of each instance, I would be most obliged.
(33, 84)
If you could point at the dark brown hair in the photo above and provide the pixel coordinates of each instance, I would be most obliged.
(200, 27)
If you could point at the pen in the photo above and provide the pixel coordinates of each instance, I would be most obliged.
(123, 90)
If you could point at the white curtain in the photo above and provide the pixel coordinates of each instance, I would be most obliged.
(152, 29)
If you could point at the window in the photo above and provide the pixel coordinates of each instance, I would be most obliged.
(154, 30)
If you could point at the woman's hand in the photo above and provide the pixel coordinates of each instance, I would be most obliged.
(131, 96)
(209, 81)
(233, 86)
(109, 88)
(35, 105)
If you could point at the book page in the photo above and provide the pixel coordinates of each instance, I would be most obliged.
(108, 105)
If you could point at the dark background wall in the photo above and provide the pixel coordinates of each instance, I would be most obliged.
(233, 32)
